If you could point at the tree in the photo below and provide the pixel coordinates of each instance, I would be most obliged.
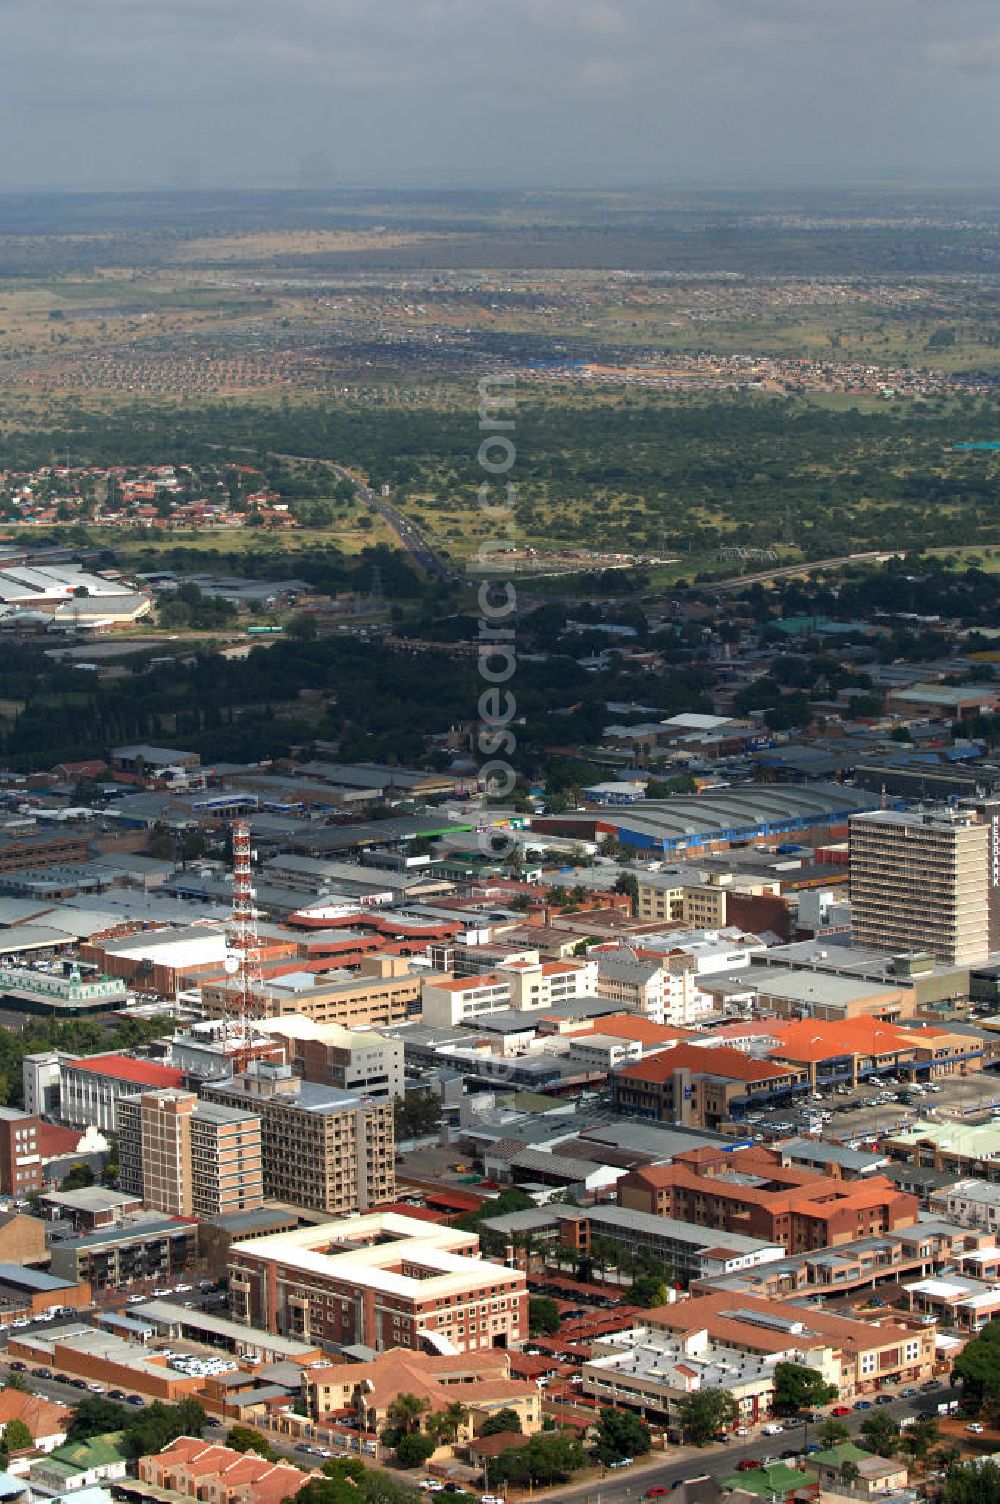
(95, 1416)
(919, 1438)
(417, 1114)
(628, 883)
(16, 1437)
(881, 1433)
(543, 1316)
(302, 627)
(404, 1412)
(444, 1425)
(549, 1457)
(969, 1483)
(833, 1431)
(705, 1412)
(414, 1448)
(977, 1366)
(18, 1382)
(799, 1387)
(348, 1481)
(500, 1421)
(161, 1424)
(79, 1178)
(620, 1434)
(648, 1290)
(849, 1471)
(246, 1439)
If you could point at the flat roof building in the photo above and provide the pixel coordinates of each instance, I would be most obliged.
(920, 881)
(385, 1281)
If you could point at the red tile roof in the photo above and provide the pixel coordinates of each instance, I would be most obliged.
(705, 1060)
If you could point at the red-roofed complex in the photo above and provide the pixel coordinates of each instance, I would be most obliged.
(701, 1086)
(92, 1087)
(749, 1191)
(864, 1047)
(201, 1470)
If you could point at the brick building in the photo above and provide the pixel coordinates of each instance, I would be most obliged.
(751, 1191)
(385, 1281)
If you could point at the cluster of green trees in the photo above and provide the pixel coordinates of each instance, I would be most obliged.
(415, 1431)
(75, 1036)
(977, 1368)
(189, 608)
(346, 1481)
(416, 1114)
(145, 1432)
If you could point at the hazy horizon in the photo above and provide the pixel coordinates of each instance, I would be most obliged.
(125, 95)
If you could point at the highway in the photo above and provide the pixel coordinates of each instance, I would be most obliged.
(806, 566)
(408, 533)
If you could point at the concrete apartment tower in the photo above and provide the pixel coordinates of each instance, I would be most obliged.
(188, 1158)
(920, 882)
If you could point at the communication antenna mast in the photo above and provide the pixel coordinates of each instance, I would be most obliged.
(243, 960)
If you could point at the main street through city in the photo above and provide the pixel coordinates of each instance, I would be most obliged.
(627, 1485)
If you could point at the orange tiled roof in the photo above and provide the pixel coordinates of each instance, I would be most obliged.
(704, 1060)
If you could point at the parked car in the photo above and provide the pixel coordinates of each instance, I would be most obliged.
(19, 1367)
(883, 1399)
(974, 1427)
(841, 1410)
(862, 1404)
(622, 1462)
(135, 1399)
(748, 1465)
(656, 1492)
(909, 1393)
(930, 1386)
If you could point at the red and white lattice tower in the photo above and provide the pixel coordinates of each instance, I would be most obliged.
(244, 945)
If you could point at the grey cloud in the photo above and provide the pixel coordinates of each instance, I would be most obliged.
(116, 92)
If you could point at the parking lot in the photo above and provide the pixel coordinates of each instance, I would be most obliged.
(877, 1109)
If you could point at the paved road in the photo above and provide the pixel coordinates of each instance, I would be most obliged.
(408, 533)
(629, 1484)
(784, 571)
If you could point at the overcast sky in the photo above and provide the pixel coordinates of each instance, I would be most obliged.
(152, 93)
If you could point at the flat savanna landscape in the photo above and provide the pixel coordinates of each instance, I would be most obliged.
(691, 373)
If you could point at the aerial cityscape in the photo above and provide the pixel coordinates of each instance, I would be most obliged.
(500, 753)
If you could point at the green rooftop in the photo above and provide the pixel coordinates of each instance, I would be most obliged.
(779, 1478)
(844, 1451)
(99, 1451)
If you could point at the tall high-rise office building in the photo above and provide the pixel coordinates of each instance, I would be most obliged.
(919, 882)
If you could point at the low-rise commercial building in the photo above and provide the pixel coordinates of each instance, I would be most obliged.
(858, 1357)
(116, 1257)
(385, 1281)
(965, 1149)
(384, 990)
(481, 1381)
(701, 1086)
(92, 1087)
